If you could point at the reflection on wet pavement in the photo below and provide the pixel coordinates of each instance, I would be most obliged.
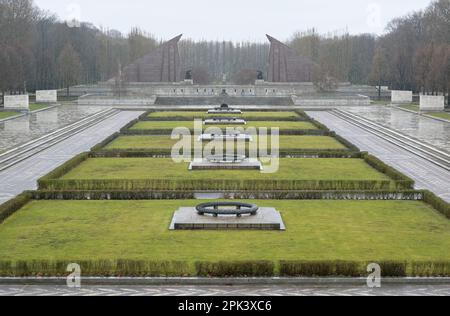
(26, 128)
(428, 130)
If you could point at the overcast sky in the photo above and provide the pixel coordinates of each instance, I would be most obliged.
(235, 19)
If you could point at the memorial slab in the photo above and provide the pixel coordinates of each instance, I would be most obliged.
(46, 96)
(399, 96)
(432, 103)
(17, 102)
(267, 218)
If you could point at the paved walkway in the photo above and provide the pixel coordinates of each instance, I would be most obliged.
(24, 175)
(426, 174)
(391, 290)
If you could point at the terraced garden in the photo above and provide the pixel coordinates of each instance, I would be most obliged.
(110, 210)
(139, 142)
(169, 126)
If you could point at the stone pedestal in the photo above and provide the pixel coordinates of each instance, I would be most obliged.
(267, 218)
(204, 164)
(401, 97)
(17, 102)
(46, 96)
(432, 103)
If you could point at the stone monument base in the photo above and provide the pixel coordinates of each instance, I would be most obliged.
(248, 164)
(237, 137)
(267, 218)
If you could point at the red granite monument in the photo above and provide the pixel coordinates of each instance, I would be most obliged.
(285, 65)
(161, 65)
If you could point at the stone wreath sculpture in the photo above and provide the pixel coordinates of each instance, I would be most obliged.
(227, 208)
(225, 158)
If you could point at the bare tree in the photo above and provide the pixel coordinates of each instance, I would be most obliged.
(69, 67)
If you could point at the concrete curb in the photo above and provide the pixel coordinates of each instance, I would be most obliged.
(420, 114)
(13, 117)
(28, 113)
(223, 281)
(45, 109)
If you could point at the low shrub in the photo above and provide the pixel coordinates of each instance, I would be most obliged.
(65, 168)
(207, 184)
(393, 268)
(105, 142)
(379, 165)
(235, 269)
(439, 204)
(431, 269)
(10, 207)
(320, 268)
(95, 268)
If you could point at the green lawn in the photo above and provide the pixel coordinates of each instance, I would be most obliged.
(443, 115)
(165, 142)
(36, 106)
(145, 125)
(6, 114)
(203, 115)
(166, 169)
(138, 230)
(416, 108)
(411, 107)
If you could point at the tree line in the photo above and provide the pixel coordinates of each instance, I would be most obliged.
(39, 51)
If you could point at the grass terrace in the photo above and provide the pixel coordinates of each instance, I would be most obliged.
(7, 114)
(442, 115)
(138, 142)
(161, 168)
(164, 174)
(188, 115)
(138, 230)
(38, 106)
(169, 126)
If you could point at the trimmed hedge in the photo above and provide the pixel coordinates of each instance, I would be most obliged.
(105, 268)
(235, 269)
(393, 268)
(48, 183)
(66, 167)
(166, 153)
(320, 269)
(267, 195)
(10, 207)
(391, 172)
(439, 204)
(247, 118)
(339, 268)
(430, 269)
(222, 269)
(158, 132)
(105, 142)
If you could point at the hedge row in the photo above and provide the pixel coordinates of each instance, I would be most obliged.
(247, 118)
(293, 132)
(143, 268)
(268, 195)
(388, 170)
(339, 268)
(66, 167)
(105, 268)
(438, 203)
(10, 207)
(47, 183)
(235, 269)
(105, 142)
(345, 142)
(167, 153)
